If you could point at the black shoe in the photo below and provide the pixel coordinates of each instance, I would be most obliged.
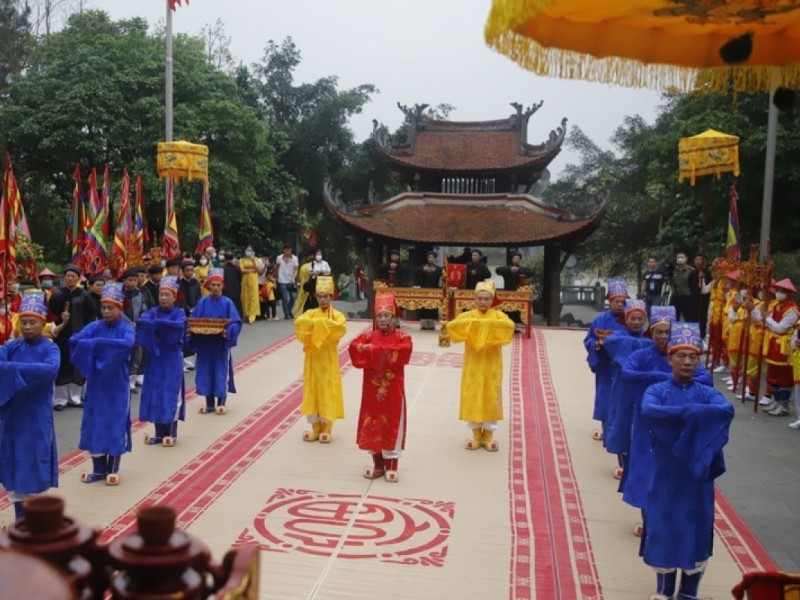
(58, 407)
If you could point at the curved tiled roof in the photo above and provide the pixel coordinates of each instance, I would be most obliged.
(471, 151)
(481, 220)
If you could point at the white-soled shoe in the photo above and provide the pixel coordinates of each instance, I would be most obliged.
(795, 424)
(765, 401)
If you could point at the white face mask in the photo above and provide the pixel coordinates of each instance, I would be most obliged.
(681, 261)
(250, 254)
(318, 257)
(203, 261)
(781, 296)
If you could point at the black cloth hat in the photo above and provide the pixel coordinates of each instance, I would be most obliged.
(140, 269)
(155, 269)
(96, 277)
(129, 273)
(174, 262)
(72, 269)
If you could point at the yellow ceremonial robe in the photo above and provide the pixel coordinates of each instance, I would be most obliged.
(481, 379)
(251, 306)
(320, 331)
(201, 274)
(303, 275)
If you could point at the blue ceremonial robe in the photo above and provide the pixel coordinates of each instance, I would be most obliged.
(642, 369)
(617, 432)
(600, 363)
(102, 353)
(162, 333)
(214, 366)
(28, 455)
(689, 424)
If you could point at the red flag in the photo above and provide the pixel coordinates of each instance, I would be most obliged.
(170, 247)
(76, 222)
(124, 228)
(205, 230)
(105, 200)
(732, 246)
(140, 233)
(173, 4)
(8, 250)
(96, 250)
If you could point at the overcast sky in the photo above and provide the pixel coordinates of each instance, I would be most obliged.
(413, 51)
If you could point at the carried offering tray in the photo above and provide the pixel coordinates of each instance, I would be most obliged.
(203, 326)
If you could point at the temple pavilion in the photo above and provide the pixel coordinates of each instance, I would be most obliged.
(468, 184)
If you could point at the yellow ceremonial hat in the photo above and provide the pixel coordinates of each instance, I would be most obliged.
(485, 286)
(324, 285)
(385, 303)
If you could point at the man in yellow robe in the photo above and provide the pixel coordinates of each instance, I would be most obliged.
(484, 330)
(248, 265)
(319, 330)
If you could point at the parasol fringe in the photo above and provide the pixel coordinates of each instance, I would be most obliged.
(747, 80)
(507, 15)
(565, 64)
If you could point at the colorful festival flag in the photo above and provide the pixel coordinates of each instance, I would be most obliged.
(173, 4)
(8, 250)
(205, 230)
(733, 249)
(96, 249)
(140, 234)
(76, 222)
(124, 227)
(17, 228)
(105, 203)
(170, 245)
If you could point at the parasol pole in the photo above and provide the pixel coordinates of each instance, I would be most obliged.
(769, 170)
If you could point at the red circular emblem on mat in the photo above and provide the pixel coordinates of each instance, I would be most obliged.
(401, 530)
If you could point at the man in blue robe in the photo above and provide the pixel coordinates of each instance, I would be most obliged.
(214, 375)
(688, 424)
(28, 369)
(161, 332)
(102, 353)
(600, 363)
(643, 368)
(618, 347)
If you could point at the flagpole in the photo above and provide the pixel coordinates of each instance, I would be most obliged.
(769, 172)
(168, 76)
(168, 133)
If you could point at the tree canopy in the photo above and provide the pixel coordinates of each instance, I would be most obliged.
(93, 93)
(649, 213)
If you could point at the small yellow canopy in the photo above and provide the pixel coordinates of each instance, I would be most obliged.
(649, 43)
(708, 153)
(183, 160)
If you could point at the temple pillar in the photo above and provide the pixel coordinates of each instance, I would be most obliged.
(551, 296)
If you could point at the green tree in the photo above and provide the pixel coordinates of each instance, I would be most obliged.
(15, 40)
(649, 212)
(94, 94)
(312, 118)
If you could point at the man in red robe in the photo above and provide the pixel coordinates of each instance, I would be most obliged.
(383, 354)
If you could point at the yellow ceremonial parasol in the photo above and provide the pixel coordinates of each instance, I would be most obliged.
(182, 160)
(708, 153)
(652, 43)
(661, 44)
